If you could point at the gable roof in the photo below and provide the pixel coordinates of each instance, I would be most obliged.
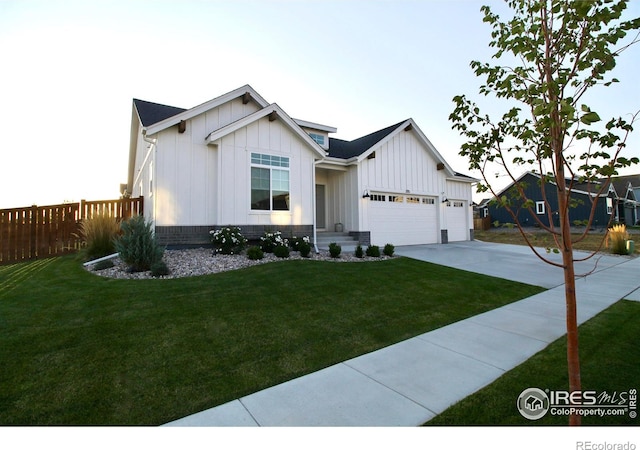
(264, 112)
(151, 113)
(339, 148)
(169, 115)
(622, 182)
(362, 147)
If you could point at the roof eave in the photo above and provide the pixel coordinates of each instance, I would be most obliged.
(218, 134)
(315, 126)
(463, 178)
(204, 107)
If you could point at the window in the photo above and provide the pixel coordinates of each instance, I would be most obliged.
(414, 200)
(317, 137)
(540, 208)
(378, 198)
(429, 201)
(458, 204)
(150, 179)
(269, 182)
(609, 205)
(396, 198)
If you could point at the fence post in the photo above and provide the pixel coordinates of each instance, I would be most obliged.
(33, 232)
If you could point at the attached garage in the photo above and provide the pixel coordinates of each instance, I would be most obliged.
(403, 219)
(455, 221)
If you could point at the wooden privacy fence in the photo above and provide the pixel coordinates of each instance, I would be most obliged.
(43, 231)
(482, 223)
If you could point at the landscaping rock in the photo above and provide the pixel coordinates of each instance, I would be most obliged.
(200, 261)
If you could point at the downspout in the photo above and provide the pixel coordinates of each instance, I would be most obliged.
(313, 203)
(146, 157)
(152, 152)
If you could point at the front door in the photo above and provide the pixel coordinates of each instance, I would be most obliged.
(321, 216)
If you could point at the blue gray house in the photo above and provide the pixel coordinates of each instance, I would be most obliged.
(545, 208)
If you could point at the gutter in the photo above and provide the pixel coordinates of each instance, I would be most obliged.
(313, 202)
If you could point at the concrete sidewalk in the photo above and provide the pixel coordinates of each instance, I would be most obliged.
(408, 383)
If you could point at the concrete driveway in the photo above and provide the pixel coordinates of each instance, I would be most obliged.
(510, 262)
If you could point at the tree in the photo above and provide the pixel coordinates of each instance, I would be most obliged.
(557, 52)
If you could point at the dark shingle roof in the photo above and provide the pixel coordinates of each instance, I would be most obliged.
(151, 113)
(348, 149)
(621, 182)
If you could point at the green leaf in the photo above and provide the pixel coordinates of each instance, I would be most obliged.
(590, 118)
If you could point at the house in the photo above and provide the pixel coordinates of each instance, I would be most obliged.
(240, 160)
(627, 190)
(584, 195)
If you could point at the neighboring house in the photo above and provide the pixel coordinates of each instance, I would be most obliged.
(584, 196)
(627, 190)
(481, 210)
(239, 160)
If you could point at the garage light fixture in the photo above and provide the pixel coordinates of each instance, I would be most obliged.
(366, 194)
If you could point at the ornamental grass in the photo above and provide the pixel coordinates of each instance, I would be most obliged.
(99, 233)
(618, 237)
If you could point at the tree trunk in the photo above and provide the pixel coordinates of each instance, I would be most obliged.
(573, 358)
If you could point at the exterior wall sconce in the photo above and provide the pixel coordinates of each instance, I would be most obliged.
(366, 194)
(444, 198)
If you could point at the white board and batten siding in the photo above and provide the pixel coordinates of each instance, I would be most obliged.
(191, 187)
(404, 184)
(179, 177)
(265, 137)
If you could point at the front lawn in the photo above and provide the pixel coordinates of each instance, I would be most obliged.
(80, 349)
(609, 355)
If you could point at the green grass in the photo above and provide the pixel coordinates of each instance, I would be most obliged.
(80, 349)
(609, 353)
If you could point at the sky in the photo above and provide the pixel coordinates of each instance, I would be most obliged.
(70, 70)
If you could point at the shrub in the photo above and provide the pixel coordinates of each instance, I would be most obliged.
(102, 265)
(281, 251)
(373, 251)
(228, 240)
(99, 233)
(254, 253)
(334, 250)
(359, 252)
(388, 250)
(618, 236)
(137, 245)
(159, 268)
(304, 248)
(269, 241)
(297, 241)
